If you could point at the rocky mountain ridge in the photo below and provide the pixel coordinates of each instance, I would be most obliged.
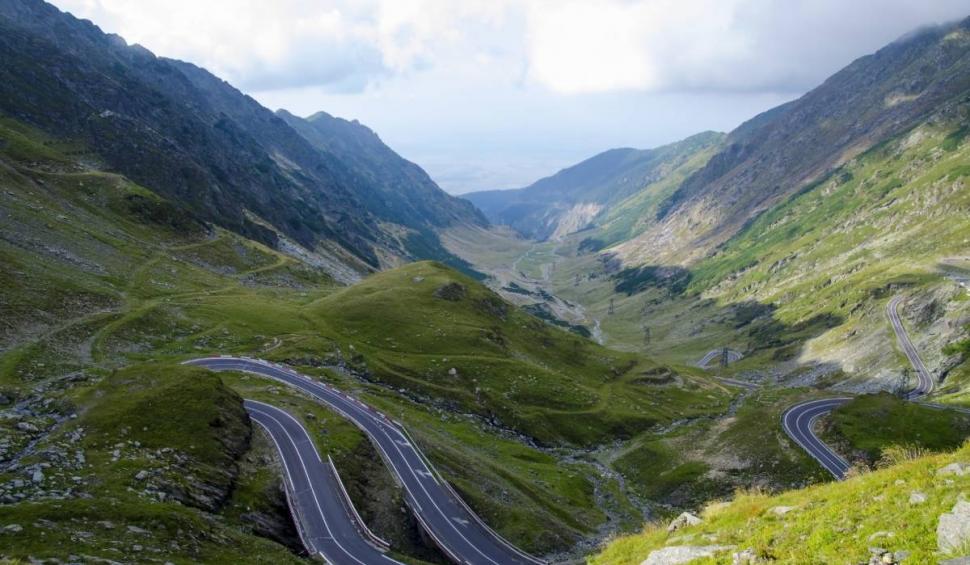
(193, 138)
(772, 157)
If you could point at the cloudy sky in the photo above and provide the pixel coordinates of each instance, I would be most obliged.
(497, 93)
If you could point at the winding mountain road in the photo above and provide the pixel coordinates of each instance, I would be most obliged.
(924, 384)
(732, 357)
(454, 527)
(327, 527)
(799, 420)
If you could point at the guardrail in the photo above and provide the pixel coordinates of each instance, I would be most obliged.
(376, 540)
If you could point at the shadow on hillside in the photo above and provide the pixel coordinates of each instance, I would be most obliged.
(756, 325)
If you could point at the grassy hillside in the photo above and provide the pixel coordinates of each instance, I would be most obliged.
(885, 222)
(150, 455)
(443, 336)
(871, 425)
(832, 523)
(101, 275)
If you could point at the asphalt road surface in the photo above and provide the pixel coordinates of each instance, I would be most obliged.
(799, 419)
(924, 383)
(798, 422)
(715, 354)
(457, 531)
(326, 525)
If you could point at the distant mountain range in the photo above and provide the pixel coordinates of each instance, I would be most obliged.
(328, 185)
(571, 199)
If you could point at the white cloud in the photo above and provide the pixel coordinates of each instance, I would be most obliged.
(577, 47)
(567, 46)
(728, 45)
(258, 45)
(253, 43)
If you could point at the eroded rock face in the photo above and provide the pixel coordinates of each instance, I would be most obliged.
(953, 531)
(683, 554)
(452, 291)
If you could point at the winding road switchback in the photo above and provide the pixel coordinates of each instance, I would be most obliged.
(327, 526)
(798, 422)
(924, 384)
(454, 527)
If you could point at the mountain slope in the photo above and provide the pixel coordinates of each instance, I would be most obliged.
(569, 200)
(772, 157)
(801, 286)
(887, 221)
(196, 140)
(398, 187)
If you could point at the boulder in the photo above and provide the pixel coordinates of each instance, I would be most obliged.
(746, 557)
(958, 469)
(685, 519)
(683, 554)
(781, 510)
(953, 531)
(26, 427)
(881, 556)
(917, 497)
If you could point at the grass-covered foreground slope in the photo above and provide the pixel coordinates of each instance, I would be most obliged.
(105, 287)
(139, 471)
(897, 509)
